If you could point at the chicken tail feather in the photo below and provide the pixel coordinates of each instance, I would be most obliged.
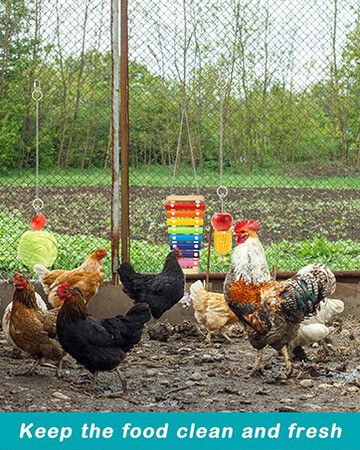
(127, 330)
(126, 272)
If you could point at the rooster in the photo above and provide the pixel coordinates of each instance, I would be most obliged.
(31, 329)
(160, 291)
(211, 310)
(88, 277)
(99, 345)
(271, 311)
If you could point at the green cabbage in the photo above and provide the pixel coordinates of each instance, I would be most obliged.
(37, 247)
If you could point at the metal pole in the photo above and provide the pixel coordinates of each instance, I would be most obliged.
(115, 120)
(124, 128)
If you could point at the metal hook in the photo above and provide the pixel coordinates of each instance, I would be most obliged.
(37, 94)
(37, 204)
(222, 192)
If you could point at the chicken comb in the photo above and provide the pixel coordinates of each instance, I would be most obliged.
(251, 224)
(17, 278)
(62, 287)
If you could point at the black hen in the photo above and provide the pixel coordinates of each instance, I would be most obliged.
(161, 291)
(99, 345)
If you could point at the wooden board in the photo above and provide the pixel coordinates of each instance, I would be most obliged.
(185, 198)
(189, 271)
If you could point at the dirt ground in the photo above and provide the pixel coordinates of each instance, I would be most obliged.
(185, 373)
(72, 210)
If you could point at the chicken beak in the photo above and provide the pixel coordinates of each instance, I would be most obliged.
(56, 302)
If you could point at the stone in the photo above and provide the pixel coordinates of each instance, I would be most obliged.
(325, 386)
(196, 376)
(307, 383)
(61, 396)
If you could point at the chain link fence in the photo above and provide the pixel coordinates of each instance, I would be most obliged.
(66, 45)
(270, 89)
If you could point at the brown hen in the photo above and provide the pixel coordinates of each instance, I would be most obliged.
(32, 329)
(88, 277)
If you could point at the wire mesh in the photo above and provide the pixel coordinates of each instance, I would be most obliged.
(271, 90)
(272, 86)
(66, 45)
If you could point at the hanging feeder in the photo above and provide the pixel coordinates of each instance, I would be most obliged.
(37, 246)
(222, 224)
(185, 213)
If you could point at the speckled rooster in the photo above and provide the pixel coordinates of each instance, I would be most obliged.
(271, 311)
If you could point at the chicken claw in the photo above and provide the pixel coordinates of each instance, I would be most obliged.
(226, 337)
(31, 369)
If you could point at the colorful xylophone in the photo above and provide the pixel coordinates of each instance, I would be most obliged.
(185, 220)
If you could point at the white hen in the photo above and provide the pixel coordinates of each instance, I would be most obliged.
(314, 328)
(6, 318)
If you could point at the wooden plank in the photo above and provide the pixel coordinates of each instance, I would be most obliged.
(185, 198)
(192, 271)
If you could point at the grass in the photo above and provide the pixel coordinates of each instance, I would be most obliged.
(161, 176)
(340, 255)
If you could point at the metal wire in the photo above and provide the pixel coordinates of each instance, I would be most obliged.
(271, 98)
(37, 95)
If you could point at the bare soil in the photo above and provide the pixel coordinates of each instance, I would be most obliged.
(286, 213)
(185, 373)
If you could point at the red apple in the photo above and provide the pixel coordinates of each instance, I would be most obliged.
(38, 222)
(222, 221)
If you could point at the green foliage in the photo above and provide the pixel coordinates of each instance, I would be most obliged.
(267, 123)
(156, 175)
(287, 256)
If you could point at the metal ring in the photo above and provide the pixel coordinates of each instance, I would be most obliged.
(37, 204)
(37, 95)
(222, 191)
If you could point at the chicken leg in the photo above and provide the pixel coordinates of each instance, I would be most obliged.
(122, 379)
(93, 384)
(33, 367)
(257, 369)
(208, 337)
(226, 337)
(58, 368)
(288, 365)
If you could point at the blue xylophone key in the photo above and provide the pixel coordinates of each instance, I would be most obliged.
(187, 246)
(185, 238)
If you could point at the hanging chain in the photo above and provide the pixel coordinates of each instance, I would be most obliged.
(222, 191)
(37, 95)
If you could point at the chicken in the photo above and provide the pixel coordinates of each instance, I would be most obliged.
(271, 311)
(6, 318)
(314, 328)
(161, 291)
(99, 345)
(88, 277)
(211, 310)
(32, 329)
